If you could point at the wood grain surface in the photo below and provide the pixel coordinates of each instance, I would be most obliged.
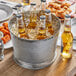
(59, 68)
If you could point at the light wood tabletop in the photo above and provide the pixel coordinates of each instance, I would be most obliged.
(59, 68)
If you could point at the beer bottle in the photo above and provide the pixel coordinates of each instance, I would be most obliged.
(42, 8)
(33, 14)
(20, 10)
(33, 21)
(49, 22)
(41, 33)
(22, 32)
(67, 39)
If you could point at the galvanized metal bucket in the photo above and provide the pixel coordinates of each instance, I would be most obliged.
(35, 54)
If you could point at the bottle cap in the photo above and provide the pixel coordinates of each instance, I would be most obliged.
(42, 17)
(43, 0)
(19, 5)
(14, 8)
(67, 16)
(18, 16)
(33, 3)
(47, 11)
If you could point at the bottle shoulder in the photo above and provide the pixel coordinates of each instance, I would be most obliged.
(67, 33)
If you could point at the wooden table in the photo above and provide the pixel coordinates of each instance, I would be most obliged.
(59, 68)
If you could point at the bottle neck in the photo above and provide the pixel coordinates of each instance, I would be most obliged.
(43, 5)
(42, 23)
(19, 10)
(33, 15)
(67, 24)
(20, 22)
(48, 17)
(33, 8)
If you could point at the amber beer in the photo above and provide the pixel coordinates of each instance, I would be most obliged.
(67, 39)
(32, 25)
(49, 22)
(41, 33)
(21, 28)
(42, 8)
(25, 2)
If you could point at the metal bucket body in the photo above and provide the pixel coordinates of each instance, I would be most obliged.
(35, 54)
